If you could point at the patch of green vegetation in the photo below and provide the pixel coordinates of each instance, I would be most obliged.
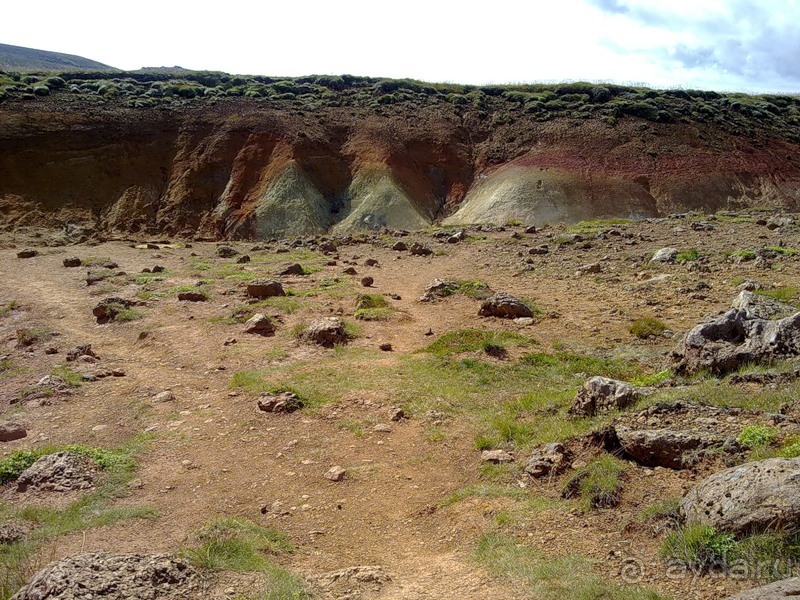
(598, 484)
(754, 437)
(473, 288)
(782, 250)
(743, 255)
(28, 336)
(782, 294)
(95, 261)
(6, 366)
(236, 544)
(699, 547)
(8, 307)
(69, 376)
(145, 278)
(286, 304)
(653, 379)
(711, 391)
(690, 255)
(669, 509)
(596, 226)
(543, 578)
(353, 426)
(127, 314)
(475, 340)
(644, 327)
(372, 307)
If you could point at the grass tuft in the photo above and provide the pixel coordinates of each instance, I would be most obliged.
(646, 326)
(598, 484)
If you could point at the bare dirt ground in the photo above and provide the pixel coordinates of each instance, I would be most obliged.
(214, 454)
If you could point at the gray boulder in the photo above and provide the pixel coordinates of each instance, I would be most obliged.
(59, 472)
(734, 338)
(600, 394)
(665, 255)
(762, 307)
(753, 497)
(673, 449)
(264, 288)
(113, 577)
(788, 588)
(504, 306)
(326, 331)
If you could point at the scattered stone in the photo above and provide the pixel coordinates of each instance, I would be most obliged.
(396, 413)
(264, 288)
(336, 473)
(665, 255)
(541, 249)
(600, 394)
(399, 246)
(669, 448)
(51, 350)
(749, 285)
(328, 247)
(590, 269)
(72, 261)
(386, 347)
(165, 396)
(367, 281)
(382, 428)
(293, 269)
(350, 271)
(457, 237)
(226, 252)
(27, 253)
(107, 309)
(326, 331)
(438, 288)
(371, 262)
(230, 342)
(158, 269)
(10, 431)
(97, 275)
(504, 306)
(79, 351)
(496, 456)
(192, 296)
(259, 324)
(114, 576)
(778, 222)
(351, 583)
(779, 590)
(550, 459)
(751, 498)
(735, 338)
(418, 249)
(284, 402)
(58, 472)
(243, 259)
(12, 532)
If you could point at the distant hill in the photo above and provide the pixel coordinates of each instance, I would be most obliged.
(17, 58)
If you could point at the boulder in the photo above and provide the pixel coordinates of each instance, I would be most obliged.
(750, 498)
(399, 246)
(260, 325)
(665, 255)
(192, 296)
(58, 472)
(292, 269)
(670, 448)
(79, 351)
(504, 306)
(27, 253)
(762, 307)
(601, 394)
(326, 331)
(418, 249)
(10, 431)
(367, 281)
(226, 252)
(264, 288)
(779, 590)
(438, 288)
(550, 459)
(72, 262)
(107, 309)
(114, 576)
(736, 337)
(12, 532)
(336, 473)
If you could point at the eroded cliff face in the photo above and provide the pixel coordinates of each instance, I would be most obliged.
(239, 169)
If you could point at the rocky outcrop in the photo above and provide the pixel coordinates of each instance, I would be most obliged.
(59, 472)
(753, 497)
(326, 331)
(737, 337)
(779, 590)
(674, 449)
(113, 577)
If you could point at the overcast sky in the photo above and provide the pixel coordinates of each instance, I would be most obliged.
(751, 45)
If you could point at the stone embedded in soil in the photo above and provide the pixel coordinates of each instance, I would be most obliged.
(438, 288)
(496, 456)
(673, 449)
(226, 252)
(762, 307)
(550, 459)
(336, 473)
(10, 431)
(367, 281)
(58, 472)
(165, 396)
(600, 394)
(192, 296)
(72, 262)
(107, 309)
(284, 402)
(264, 288)
(418, 249)
(114, 576)
(779, 590)
(326, 331)
(80, 351)
(12, 532)
(243, 259)
(399, 246)
(755, 497)
(293, 269)
(504, 306)
(259, 324)
(665, 255)
(27, 253)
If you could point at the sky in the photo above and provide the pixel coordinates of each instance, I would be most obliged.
(724, 45)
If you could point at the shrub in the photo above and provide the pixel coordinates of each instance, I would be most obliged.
(756, 436)
(646, 326)
(598, 484)
(690, 255)
(699, 546)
